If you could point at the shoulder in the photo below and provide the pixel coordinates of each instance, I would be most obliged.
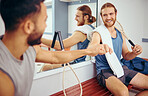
(31, 52)
(84, 29)
(6, 85)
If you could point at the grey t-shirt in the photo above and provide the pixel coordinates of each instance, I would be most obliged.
(20, 71)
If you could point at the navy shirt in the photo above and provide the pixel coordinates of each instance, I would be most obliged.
(101, 62)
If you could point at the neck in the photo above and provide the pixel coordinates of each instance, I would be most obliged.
(16, 43)
(111, 29)
(87, 23)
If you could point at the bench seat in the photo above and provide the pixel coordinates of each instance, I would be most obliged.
(90, 88)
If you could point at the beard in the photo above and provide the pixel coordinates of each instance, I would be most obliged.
(109, 25)
(81, 23)
(34, 38)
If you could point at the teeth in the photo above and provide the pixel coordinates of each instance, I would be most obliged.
(109, 21)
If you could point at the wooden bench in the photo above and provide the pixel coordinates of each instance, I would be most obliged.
(90, 88)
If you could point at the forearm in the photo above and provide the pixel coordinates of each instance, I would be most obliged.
(67, 56)
(59, 57)
(49, 43)
(46, 42)
(136, 50)
(129, 55)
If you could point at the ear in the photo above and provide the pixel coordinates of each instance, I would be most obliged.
(28, 26)
(86, 17)
(116, 13)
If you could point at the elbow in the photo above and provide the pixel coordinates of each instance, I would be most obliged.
(126, 57)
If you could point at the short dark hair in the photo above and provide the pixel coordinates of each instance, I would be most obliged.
(13, 12)
(107, 5)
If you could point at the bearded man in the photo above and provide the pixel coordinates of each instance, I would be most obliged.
(105, 75)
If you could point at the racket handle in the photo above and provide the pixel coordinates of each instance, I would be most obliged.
(131, 42)
(60, 40)
(54, 40)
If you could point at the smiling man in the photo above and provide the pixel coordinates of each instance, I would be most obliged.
(105, 75)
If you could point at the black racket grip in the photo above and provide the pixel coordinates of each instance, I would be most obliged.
(131, 42)
(60, 40)
(54, 39)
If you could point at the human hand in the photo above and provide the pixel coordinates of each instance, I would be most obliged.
(137, 49)
(107, 48)
(100, 49)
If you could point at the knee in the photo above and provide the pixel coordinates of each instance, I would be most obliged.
(123, 92)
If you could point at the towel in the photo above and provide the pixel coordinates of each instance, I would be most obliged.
(86, 29)
(111, 58)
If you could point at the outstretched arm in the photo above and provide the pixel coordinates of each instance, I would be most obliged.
(75, 38)
(59, 57)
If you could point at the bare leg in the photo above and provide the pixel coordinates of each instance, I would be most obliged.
(116, 86)
(141, 81)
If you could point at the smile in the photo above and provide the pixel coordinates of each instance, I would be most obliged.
(109, 21)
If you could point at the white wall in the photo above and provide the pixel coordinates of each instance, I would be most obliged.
(2, 28)
(145, 33)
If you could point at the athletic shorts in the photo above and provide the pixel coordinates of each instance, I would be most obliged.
(106, 73)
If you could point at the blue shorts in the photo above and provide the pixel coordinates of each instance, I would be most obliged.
(106, 73)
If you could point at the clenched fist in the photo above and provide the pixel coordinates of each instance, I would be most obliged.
(137, 49)
(100, 49)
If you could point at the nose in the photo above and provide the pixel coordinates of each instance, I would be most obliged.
(108, 17)
(76, 18)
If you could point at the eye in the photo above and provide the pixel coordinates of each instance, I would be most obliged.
(104, 14)
(111, 13)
